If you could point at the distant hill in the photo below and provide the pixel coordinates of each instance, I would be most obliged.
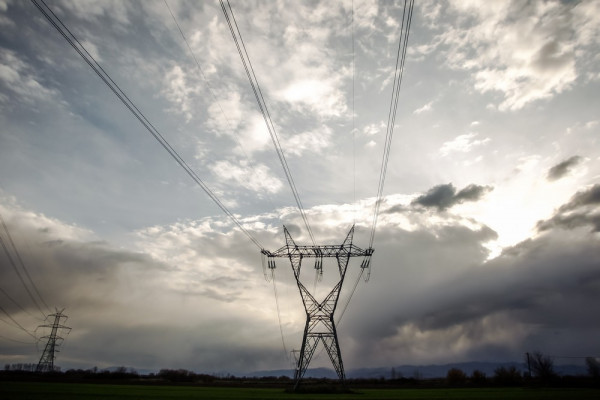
(417, 371)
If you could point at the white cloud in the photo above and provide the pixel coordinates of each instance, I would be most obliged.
(365, 13)
(587, 126)
(425, 108)
(257, 178)
(314, 141)
(587, 22)
(20, 78)
(92, 10)
(321, 96)
(526, 52)
(374, 129)
(92, 49)
(180, 90)
(462, 144)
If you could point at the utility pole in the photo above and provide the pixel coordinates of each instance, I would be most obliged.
(320, 326)
(46, 363)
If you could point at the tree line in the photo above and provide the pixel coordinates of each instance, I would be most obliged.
(540, 371)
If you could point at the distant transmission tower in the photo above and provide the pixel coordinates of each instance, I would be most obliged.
(320, 326)
(46, 363)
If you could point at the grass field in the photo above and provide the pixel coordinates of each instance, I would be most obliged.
(67, 391)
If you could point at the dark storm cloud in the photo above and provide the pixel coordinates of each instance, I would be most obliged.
(583, 209)
(122, 304)
(443, 299)
(445, 196)
(563, 168)
(588, 197)
(398, 208)
(67, 272)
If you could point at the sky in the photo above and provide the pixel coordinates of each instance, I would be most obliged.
(487, 239)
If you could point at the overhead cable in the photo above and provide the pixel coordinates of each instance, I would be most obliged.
(16, 303)
(14, 265)
(353, 117)
(16, 323)
(22, 264)
(400, 59)
(212, 93)
(14, 340)
(201, 71)
(279, 314)
(262, 105)
(112, 85)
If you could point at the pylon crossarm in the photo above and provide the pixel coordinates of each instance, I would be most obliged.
(319, 251)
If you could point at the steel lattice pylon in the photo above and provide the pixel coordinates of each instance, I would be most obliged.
(46, 363)
(320, 326)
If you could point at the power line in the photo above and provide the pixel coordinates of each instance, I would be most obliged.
(203, 75)
(279, 313)
(16, 323)
(15, 302)
(362, 270)
(14, 265)
(114, 87)
(22, 264)
(262, 105)
(214, 96)
(353, 117)
(400, 59)
(14, 340)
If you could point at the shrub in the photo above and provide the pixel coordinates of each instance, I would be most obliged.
(456, 376)
(507, 376)
(542, 366)
(593, 367)
(478, 377)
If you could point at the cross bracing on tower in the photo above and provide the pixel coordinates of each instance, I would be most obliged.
(320, 326)
(46, 363)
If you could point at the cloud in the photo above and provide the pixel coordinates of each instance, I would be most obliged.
(374, 129)
(312, 141)
(123, 303)
(563, 168)
(524, 52)
(91, 10)
(425, 108)
(19, 78)
(257, 178)
(445, 196)
(463, 144)
(199, 283)
(535, 295)
(180, 90)
(583, 209)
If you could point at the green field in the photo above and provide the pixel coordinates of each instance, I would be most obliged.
(66, 391)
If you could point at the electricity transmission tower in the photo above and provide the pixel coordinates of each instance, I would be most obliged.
(46, 363)
(320, 326)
